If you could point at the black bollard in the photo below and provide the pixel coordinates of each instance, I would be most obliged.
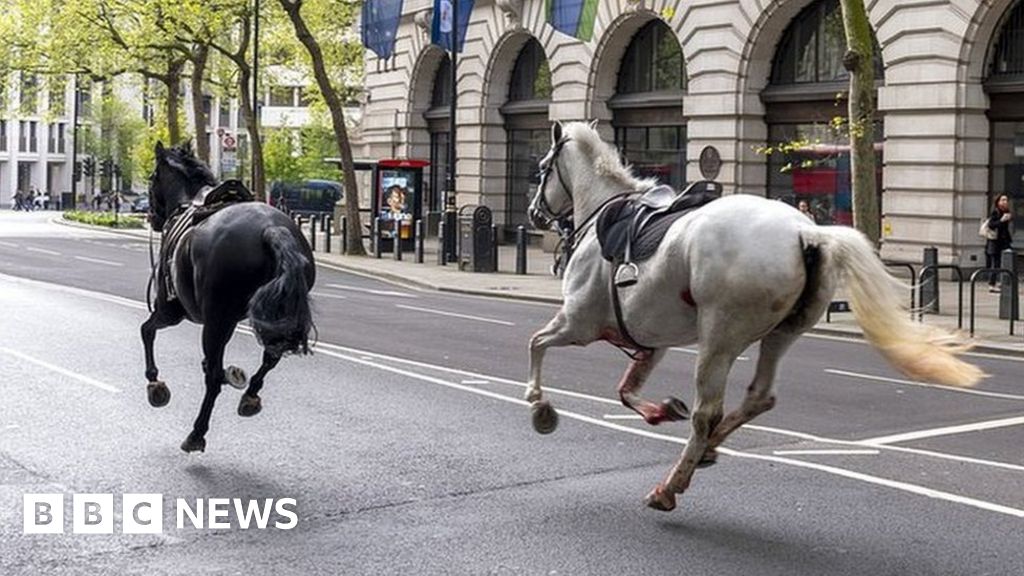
(930, 282)
(494, 247)
(327, 232)
(418, 241)
(397, 240)
(441, 256)
(312, 232)
(376, 237)
(521, 250)
(323, 222)
(1008, 299)
(344, 235)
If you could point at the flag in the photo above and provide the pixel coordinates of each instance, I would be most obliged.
(380, 26)
(572, 17)
(441, 28)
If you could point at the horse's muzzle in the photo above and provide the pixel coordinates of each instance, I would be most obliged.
(538, 220)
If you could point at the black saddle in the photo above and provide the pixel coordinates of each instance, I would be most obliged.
(630, 229)
(224, 194)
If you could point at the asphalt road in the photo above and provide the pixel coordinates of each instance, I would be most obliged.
(407, 448)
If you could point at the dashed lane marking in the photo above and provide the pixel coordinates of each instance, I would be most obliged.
(73, 375)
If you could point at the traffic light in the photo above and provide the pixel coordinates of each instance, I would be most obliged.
(77, 172)
(89, 167)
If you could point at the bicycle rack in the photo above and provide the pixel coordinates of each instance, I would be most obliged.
(960, 289)
(913, 281)
(974, 280)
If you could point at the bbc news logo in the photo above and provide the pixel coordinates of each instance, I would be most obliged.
(144, 513)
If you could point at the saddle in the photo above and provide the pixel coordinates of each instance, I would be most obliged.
(631, 229)
(206, 203)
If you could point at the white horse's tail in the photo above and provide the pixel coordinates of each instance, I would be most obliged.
(920, 351)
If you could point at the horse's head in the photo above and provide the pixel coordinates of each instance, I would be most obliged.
(554, 196)
(175, 180)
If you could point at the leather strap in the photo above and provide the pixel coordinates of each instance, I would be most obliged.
(617, 306)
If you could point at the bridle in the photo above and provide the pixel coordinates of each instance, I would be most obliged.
(542, 202)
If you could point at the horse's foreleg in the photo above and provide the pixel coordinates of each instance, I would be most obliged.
(164, 316)
(629, 391)
(555, 333)
(250, 403)
(215, 340)
(712, 372)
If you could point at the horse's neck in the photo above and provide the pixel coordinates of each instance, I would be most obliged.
(595, 192)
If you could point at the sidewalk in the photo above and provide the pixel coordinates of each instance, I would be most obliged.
(538, 285)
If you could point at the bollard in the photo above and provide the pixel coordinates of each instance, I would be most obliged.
(312, 232)
(442, 259)
(327, 232)
(396, 239)
(418, 241)
(375, 241)
(323, 222)
(494, 246)
(1008, 297)
(930, 282)
(521, 249)
(344, 235)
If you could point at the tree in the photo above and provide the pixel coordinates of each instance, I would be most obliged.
(337, 14)
(859, 61)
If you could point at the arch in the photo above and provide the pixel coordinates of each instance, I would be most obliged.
(421, 84)
(980, 38)
(604, 71)
(427, 138)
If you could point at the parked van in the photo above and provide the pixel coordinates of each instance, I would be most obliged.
(306, 197)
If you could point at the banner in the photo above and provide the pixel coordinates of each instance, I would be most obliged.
(441, 28)
(572, 17)
(380, 26)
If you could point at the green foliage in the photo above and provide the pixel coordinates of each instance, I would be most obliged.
(279, 157)
(105, 219)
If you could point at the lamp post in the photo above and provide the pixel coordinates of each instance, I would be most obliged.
(450, 214)
(76, 172)
(255, 82)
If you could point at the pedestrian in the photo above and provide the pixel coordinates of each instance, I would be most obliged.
(805, 209)
(1000, 222)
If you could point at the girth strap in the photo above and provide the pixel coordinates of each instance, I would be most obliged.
(617, 306)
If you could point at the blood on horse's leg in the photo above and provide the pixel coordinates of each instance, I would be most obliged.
(633, 380)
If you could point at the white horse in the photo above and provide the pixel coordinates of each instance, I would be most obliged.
(736, 271)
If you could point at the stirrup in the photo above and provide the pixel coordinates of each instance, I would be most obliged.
(626, 274)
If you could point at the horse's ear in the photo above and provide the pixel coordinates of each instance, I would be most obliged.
(592, 124)
(556, 132)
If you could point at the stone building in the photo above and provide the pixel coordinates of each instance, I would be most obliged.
(667, 78)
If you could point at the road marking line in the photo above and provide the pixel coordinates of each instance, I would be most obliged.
(98, 261)
(622, 417)
(693, 352)
(824, 452)
(854, 339)
(476, 381)
(904, 486)
(454, 315)
(924, 384)
(325, 295)
(8, 244)
(371, 291)
(946, 431)
(59, 370)
(42, 251)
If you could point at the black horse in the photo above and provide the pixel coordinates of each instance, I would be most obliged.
(246, 258)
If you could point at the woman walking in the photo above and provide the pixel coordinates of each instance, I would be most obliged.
(998, 221)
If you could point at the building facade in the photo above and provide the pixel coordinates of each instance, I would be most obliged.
(666, 78)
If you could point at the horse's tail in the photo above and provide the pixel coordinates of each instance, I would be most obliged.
(279, 310)
(920, 351)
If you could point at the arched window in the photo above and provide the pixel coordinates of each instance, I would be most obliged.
(801, 102)
(527, 127)
(1005, 87)
(437, 124)
(647, 109)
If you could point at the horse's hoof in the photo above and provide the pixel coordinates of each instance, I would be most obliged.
(545, 419)
(192, 444)
(710, 458)
(249, 405)
(236, 377)
(158, 393)
(661, 499)
(674, 409)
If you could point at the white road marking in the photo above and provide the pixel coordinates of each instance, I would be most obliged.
(455, 315)
(371, 291)
(9, 244)
(825, 452)
(945, 431)
(98, 261)
(694, 352)
(856, 340)
(11, 427)
(42, 251)
(81, 378)
(622, 417)
(476, 381)
(924, 384)
(325, 295)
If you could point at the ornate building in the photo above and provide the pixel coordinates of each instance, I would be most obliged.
(667, 78)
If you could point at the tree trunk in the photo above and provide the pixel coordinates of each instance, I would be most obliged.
(249, 109)
(859, 61)
(200, 53)
(354, 240)
(173, 83)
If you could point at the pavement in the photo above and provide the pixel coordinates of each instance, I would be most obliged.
(991, 334)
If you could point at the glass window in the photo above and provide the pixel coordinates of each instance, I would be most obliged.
(655, 152)
(813, 46)
(85, 98)
(442, 95)
(61, 129)
(1008, 163)
(3, 135)
(438, 170)
(208, 110)
(531, 76)
(33, 137)
(224, 113)
(58, 88)
(281, 96)
(1008, 56)
(305, 97)
(525, 150)
(653, 61)
(29, 93)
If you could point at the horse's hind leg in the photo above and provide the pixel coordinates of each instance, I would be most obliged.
(629, 391)
(250, 404)
(557, 332)
(215, 339)
(165, 315)
(712, 371)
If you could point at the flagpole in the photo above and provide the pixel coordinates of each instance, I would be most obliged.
(450, 215)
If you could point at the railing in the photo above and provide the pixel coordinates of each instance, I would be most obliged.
(960, 289)
(913, 278)
(974, 280)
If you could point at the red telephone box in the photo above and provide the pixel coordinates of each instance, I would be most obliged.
(398, 200)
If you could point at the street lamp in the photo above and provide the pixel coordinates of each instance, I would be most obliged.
(450, 214)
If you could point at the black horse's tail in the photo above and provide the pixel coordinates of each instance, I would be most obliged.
(279, 310)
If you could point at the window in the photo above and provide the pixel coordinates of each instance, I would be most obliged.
(29, 94)
(282, 96)
(653, 61)
(438, 170)
(208, 111)
(442, 96)
(1008, 55)
(224, 113)
(58, 89)
(3, 135)
(85, 99)
(525, 149)
(531, 76)
(51, 142)
(655, 152)
(23, 136)
(61, 129)
(527, 128)
(305, 97)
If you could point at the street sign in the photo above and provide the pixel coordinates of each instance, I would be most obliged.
(229, 142)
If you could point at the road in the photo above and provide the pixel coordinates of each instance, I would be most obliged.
(407, 447)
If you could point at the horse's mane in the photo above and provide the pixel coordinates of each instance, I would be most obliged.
(606, 158)
(191, 167)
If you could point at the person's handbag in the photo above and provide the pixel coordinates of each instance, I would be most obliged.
(985, 232)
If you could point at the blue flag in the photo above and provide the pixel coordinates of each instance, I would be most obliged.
(573, 17)
(445, 21)
(380, 26)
